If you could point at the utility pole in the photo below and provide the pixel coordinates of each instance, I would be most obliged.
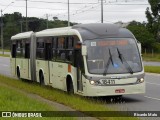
(101, 11)
(2, 33)
(47, 20)
(68, 15)
(26, 18)
(2, 46)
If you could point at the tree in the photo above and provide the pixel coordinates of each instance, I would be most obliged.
(153, 17)
(34, 24)
(142, 34)
(55, 18)
(15, 21)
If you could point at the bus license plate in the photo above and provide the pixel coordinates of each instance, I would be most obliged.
(108, 82)
(120, 91)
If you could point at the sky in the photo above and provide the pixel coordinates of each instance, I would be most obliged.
(81, 11)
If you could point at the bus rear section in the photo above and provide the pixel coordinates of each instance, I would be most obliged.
(20, 55)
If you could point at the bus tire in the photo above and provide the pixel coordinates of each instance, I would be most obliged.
(70, 88)
(18, 73)
(41, 78)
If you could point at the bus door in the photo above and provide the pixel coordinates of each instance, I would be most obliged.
(78, 65)
(13, 59)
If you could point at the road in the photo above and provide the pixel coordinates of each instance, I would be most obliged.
(146, 63)
(150, 101)
(5, 66)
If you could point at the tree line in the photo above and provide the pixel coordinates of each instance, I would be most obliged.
(16, 23)
(148, 33)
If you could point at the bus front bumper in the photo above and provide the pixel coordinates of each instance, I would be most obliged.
(92, 90)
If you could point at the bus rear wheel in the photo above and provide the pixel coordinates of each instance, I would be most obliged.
(41, 78)
(18, 73)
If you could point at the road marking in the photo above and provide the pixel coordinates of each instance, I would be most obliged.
(152, 98)
(152, 83)
(4, 65)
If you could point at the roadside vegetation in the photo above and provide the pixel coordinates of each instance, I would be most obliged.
(4, 55)
(12, 100)
(151, 57)
(76, 102)
(152, 69)
(6, 50)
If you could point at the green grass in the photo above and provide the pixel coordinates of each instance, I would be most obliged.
(9, 99)
(7, 50)
(152, 69)
(12, 100)
(150, 57)
(74, 101)
(4, 55)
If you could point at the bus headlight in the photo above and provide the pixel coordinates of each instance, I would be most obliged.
(93, 82)
(141, 80)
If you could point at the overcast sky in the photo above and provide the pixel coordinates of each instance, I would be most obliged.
(81, 11)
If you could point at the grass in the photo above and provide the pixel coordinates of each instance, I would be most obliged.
(7, 50)
(12, 100)
(150, 57)
(152, 69)
(76, 102)
(4, 55)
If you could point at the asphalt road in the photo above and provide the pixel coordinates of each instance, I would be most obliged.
(150, 101)
(146, 63)
(5, 66)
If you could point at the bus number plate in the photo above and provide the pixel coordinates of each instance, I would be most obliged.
(108, 82)
(120, 91)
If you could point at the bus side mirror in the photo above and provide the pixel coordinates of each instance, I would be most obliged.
(84, 50)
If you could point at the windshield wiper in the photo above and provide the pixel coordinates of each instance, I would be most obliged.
(107, 65)
(121, 57)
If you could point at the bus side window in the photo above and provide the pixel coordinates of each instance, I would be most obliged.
(19, 49)
(71, 42)
(40, 49)
(69, 51)
(27, 49)
(13, 50)
(48, 48)
(61, 54)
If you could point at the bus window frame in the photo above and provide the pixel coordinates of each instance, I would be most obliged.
(14, 50)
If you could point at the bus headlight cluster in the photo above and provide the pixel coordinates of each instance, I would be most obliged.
(141, 80)
(93, 82)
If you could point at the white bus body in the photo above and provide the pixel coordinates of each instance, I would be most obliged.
(87, 59)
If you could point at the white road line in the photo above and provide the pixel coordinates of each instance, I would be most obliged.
(152, 83)
(152, 98)
(4, 65)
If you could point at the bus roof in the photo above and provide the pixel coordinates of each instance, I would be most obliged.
(22, 35)
(53, 32)
(101, 30)
(84, 32)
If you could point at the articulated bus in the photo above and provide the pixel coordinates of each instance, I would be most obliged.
(87, 59)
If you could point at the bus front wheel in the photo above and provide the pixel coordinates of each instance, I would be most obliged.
(70, 88)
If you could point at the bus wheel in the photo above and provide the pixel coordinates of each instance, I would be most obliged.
(18, 73)
(41, 78)
(70, 88)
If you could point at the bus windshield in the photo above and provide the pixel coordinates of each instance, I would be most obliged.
(113, 56)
